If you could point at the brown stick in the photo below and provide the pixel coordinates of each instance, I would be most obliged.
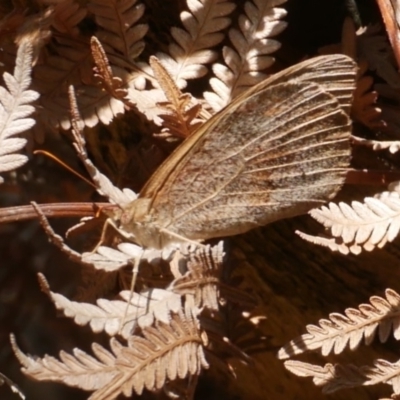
(392, 26)
(23, 213)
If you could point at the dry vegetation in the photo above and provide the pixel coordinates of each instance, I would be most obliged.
(112, 87)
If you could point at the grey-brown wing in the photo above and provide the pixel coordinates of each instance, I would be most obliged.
(277, 154)
(335, 73)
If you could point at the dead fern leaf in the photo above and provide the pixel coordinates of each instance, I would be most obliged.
(383, 372)
(14, 388)
(361, 226)
(251, 53)
(117, 316)
(103, 72)
(331, 377)
(120, 33)
(67, 15)
(338, 376)
(202, 278)
(102, 184)
(15, 107)
(165, 352)
(335, 334)
(181, 108)
(35, 31)
(73, 64)
(203, 24)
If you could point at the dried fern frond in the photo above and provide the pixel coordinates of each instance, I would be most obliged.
(383, 371)
(331, 377)
(120, 33)
(109, 259)
(103, 72)
(14, 388)
(181, 108)
(251, 53)
(203, 25)
(101, 182)
(117, 316)
(202, 277)
(15, 107)
(165, 352)
(67, 15)
(339, 331)
(361, 226)
(72, 64)
(338, 376)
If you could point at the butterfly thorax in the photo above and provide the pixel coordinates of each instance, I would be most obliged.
(139, 219)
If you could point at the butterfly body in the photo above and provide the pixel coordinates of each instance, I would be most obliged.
(276, 151)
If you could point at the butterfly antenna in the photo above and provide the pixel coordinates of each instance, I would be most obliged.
(66, 166)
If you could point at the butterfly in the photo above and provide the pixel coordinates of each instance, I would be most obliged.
(276, 151)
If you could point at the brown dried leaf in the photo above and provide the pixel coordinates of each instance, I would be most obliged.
(103, 72)
(181, 108)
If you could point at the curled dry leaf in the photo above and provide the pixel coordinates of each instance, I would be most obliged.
(333, 335)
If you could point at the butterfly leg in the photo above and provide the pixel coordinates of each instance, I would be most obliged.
(135, 272)
(181, 238)
(111, 222)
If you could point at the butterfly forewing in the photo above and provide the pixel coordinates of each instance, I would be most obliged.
(261, 167)
(335, 73)
(276, 151)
